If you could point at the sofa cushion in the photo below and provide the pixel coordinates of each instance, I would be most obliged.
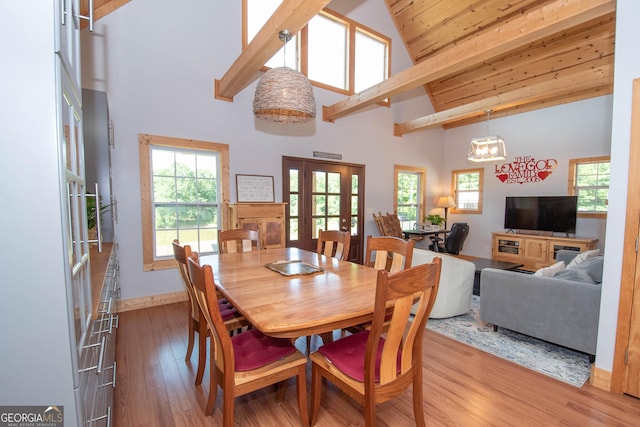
(551, 270)
(575, 274)
(583, 256)
(593, 267)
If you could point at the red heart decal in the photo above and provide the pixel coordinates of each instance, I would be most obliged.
(503, 177)
(543, 174)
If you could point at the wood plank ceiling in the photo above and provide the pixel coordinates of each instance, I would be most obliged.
(507, 56)
(572, 64)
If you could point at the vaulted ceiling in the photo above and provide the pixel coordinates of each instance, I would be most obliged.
(507, 56)
(575, 62)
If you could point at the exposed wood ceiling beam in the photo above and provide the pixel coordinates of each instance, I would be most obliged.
(292, 15)
(544, 21)
(575, 82)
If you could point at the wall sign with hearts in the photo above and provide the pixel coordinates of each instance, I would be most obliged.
(525, 169)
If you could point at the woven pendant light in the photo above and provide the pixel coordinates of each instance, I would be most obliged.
(284, 95)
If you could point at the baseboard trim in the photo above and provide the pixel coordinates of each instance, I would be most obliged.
(600, 378)
(151, 301)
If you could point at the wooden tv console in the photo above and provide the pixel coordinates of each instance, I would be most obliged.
(535, 251)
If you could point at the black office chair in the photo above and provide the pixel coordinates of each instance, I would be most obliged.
(452, 244)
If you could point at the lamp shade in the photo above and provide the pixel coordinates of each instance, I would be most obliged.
(445, 202)
(284, 95)
(487, 149)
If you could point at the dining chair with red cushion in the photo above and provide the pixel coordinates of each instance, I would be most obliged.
(232, 318)
(247, 361)
(373, 369)
(388, 253)
(332, 244)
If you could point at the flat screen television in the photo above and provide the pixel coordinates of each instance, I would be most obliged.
(543, 213)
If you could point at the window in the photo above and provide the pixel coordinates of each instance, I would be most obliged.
(409, 184)
(333, 51)
(183, 188)
(328, 51)
(589, 180)
(467, 190)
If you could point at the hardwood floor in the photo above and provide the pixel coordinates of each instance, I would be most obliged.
(462, 387)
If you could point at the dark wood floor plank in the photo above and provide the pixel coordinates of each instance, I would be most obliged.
(463, 386)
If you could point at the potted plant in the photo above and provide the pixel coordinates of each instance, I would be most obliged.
(435, 219)
(92, 215)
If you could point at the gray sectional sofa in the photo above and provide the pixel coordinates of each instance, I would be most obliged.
(563, 311)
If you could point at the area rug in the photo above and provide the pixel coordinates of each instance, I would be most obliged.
(555, 361)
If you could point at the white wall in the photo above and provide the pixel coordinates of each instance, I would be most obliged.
(627, 68)
(157, 63)
(578, 129)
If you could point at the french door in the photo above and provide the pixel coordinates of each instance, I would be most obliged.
(323, 195)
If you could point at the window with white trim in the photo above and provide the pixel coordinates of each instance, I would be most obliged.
(589, 180)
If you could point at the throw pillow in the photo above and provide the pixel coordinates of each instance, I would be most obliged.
(551, 270)
(582, 256)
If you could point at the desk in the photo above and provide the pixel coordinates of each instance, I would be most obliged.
(289, 307)
(419, 235)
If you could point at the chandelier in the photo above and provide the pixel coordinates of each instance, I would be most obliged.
(487, 148)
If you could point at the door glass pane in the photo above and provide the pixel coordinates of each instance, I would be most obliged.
(354, 205)
(319, 205)
(333, 205)
(319, 182)
(294, 208)
(333, 182)
(354, 184)
(293, 180)
(333, 223)
(318, 224)
(293, 229)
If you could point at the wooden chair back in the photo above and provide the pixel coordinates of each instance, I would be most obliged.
(388, 225)
(222, 357)
(207, 298)
(389, 253)
(402, 333)
(393, 347)
(237, 240)
(181, 255)
(334, 243)
(378, 220)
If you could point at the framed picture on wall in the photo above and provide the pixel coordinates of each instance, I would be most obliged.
(254, 188)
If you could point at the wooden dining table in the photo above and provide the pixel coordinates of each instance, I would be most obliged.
(341, 295)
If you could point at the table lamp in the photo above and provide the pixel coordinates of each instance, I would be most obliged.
(445, 202)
